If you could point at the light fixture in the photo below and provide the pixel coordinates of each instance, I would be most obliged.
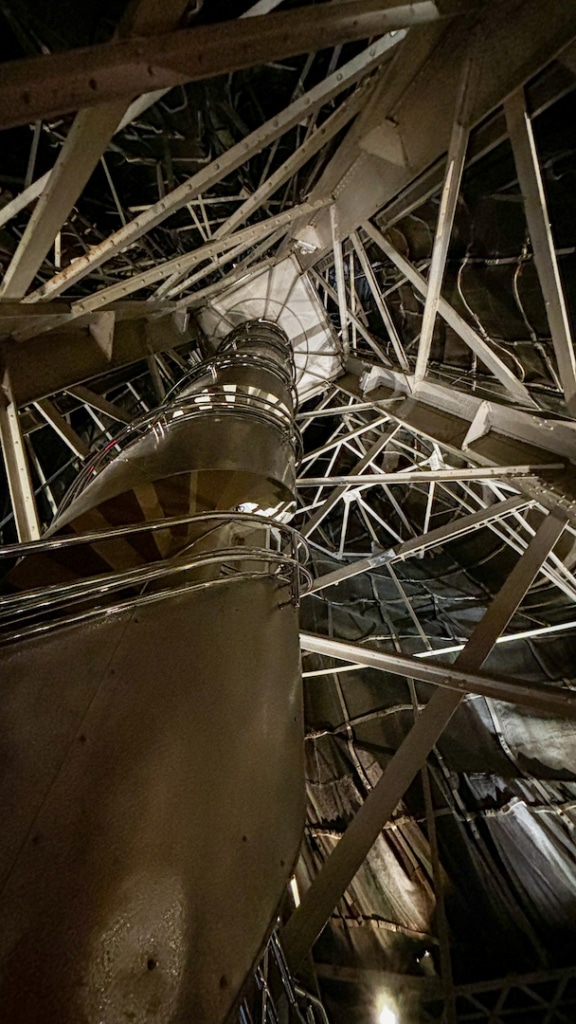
(295, 891)
(387, 1014)
(306, 247)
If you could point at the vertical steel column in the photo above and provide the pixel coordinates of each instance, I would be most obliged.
(538, 219)
(16, 463)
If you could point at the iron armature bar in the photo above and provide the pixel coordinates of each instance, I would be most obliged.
(61, 83)
(531, 183)
(33, 191)
(340, 282)
(556, 571)
(334, 497)
(217, 169)
(337, 441)
(311, 145)
(335, 876)
(99, 402)
(333, 124)
(340, 410)
(471, 338)
(442, 416)
(61, 427)
(86, 141)
(516, 41)
(352, 318)
(524, 634)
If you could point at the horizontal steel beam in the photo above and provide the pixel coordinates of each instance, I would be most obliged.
(49, 86)
(84, 145)
(554, 699)
(338, 410)
(545, 698)
(62, 359)
(442, 535)
(426, 475)
(330, 884)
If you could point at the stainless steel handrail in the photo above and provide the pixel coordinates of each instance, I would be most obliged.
(285, 550)
(198, 405)
(55, 543)
(128, 605)
(57, 594)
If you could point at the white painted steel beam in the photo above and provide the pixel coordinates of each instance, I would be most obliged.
(555, 699)
(449, 199)
(365, 428)
(413, 476)
(333, 498)
(107, 296)
(17, 470)
(339, 410)
(84, 145)
(318, 903)
(61, 427)
(340, 281)
(33, 191)
(514, 41)
(351, 317)
(416, 545)
(311, 145)
(379, 301)
(471, 338)
(461, 421)
(183, 263)
(60, 83)
(88, 397)
(536, 209)
(316, 141)
(274, 128)
(524, 634)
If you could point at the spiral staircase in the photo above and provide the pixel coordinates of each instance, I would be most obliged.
(151, 679)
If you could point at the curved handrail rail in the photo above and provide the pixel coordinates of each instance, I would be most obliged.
(151, 525)
(223, 361)
(201, 404)
(27, 632)
(286, 551)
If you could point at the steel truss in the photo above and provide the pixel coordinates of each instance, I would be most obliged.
(486, 459)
